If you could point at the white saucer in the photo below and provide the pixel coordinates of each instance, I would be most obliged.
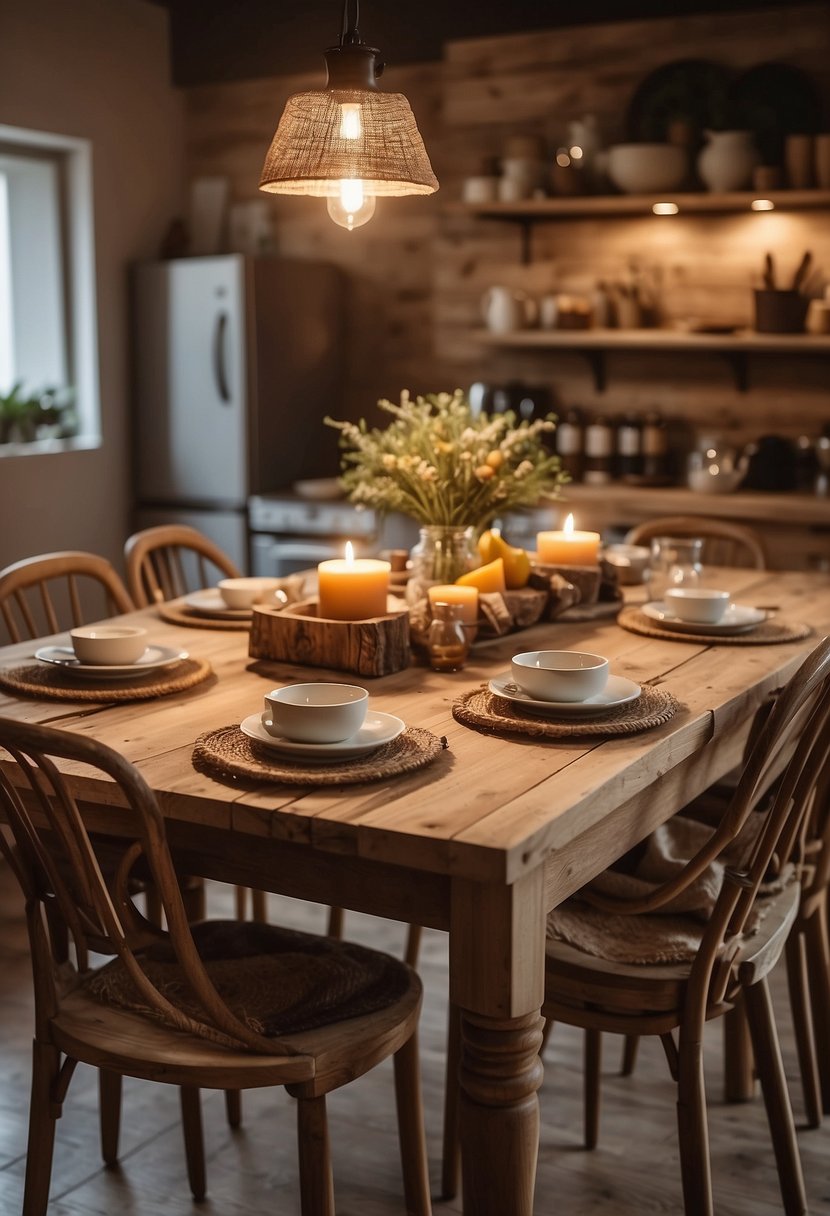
(618, 691)
(153, 659)
(209, 602)
(738, 618)
(378, 728)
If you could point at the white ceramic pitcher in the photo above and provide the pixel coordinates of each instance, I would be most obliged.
(505, 309)
(727, 161)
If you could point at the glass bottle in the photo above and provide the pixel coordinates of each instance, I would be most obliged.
(630, 448)
(599, 452)
(447, 641)
(655, 449)
(570, 440)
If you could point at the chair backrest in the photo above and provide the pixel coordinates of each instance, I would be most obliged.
(170, 560)
(725, 543)
(41, 595)
(783, 777)
(55, 862)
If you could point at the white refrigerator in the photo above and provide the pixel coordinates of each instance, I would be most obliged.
(237, 360)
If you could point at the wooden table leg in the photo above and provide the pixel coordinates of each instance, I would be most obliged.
(499, 1115)
(497, 940)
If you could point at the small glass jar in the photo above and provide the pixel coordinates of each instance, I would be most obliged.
(674, 562)
(442, 555)
(447, 642)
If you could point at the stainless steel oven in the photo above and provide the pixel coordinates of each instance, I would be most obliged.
(288, 533)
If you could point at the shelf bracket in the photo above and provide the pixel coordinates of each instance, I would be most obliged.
(596, 361)
(738, 361)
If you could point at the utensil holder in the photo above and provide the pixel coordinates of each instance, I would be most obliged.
(378, 646)
(780, 312)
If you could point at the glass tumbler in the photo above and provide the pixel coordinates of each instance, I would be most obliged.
(674, 562)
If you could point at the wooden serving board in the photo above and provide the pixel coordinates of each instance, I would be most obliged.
(378, 646)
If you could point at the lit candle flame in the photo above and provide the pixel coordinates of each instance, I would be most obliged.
(569, 526)
(349, 552)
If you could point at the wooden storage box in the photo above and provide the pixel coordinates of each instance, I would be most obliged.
(296, 634)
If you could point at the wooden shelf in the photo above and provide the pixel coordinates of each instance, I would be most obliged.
(593, 344)
(550, 209)
(618, 500)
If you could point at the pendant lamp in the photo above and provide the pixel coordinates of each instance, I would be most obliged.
(348, 143)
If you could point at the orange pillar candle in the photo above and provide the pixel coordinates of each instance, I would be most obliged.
(352, 589)
(452, 593)
(568, 547)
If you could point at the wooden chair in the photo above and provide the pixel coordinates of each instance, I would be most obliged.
(168, 561)
(205, 1041)
(42, 595)
(735, 957)
(725, 543)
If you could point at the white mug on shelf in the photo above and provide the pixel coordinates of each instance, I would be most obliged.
(505, 310)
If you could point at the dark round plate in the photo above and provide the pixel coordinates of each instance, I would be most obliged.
(774, 100)
(693, 91)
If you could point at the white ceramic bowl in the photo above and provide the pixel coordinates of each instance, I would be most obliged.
(703, 605)
(725, 481)
(104, 645)
(560, 675)
(315, 713)
(629, 561)
(245, 592)
(647, 168)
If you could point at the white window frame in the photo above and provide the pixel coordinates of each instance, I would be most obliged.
(75, 159)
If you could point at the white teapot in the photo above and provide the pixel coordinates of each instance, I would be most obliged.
(505, 309)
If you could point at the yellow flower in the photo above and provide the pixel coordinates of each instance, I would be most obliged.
(444, 448)
(484, 472)
(495, 459)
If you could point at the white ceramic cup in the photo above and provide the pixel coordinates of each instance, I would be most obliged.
(245, 592)
(479, 189)
(108, 645)
(702, 605)
(315, 713)
(560, 675)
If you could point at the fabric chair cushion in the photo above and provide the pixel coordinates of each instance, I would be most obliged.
(277, 981)
(673, 934)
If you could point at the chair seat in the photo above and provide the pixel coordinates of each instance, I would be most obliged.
(577, 979)
(111, 1037)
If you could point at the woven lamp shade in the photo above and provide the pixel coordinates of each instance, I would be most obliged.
(309, 155)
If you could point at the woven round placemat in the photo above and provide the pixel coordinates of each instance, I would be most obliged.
(50, 683)
(176, 612)
(484, 711)
(226, 752)
(765, 634)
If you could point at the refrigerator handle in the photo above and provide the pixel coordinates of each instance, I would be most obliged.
(219, 369)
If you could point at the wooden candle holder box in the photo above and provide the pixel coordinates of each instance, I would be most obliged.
(378, 646)
(585, 578)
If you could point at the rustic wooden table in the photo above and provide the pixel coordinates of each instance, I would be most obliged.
(481, 843)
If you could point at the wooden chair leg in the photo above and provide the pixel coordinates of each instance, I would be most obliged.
(692, 1128)
(591, 1086)
(42, 1117)
(194, 1145)
(241, 896)
(411, 1129)
(629, 1060)
(451, 1157)
(109, 1113)
(803, 1025)
(193, 898)
(233, 1107)
(152, 904)
(738, 1064)
(413, 945)
(259, 910)
(818, 969)
(316, 1187)
(335, 928)
(776, 1097)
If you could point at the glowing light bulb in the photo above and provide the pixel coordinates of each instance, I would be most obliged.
(351, 123)
(352, 207)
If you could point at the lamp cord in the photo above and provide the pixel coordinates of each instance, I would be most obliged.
(349, 33)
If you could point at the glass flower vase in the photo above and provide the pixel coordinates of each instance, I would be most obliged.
(442, 555)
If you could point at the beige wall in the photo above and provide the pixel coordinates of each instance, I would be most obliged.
(98, 70)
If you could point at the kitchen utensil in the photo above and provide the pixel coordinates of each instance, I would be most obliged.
(728, 160)
(700, 605)
(378, 728)
(647, 168)
(315, 713)
(153, 659)
(738, 618)
(780, 312)
(674, 562)
(618, 691)
(799, 161)
(504, 309)
(105, 645)
(560, 675)
(801, 271)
